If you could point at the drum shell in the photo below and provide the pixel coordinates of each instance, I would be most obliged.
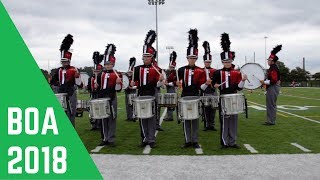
(143, 106)
(232, 104)
(82, 104)
(167, 99)
(62, 98)
(189, 107)
(212, 101)
(130, 98)
(100, 108)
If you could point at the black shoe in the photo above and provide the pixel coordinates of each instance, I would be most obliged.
(133, 120)
(268, 124)
(128, 119)
(196, 145)
(169, 119)
(236, 146)
(223, 147)
(213, 129)
(160, 129)
(186, 145)
(142, 145)
(103, 143)
(152, 145)
(206, 129)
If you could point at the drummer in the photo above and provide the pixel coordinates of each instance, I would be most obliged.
(229, 81)
(171, 82)
(193, 79)
(209, 112)
(65, 78)
(146, 78)
(130, 90)
(109, 84)
(94, 94)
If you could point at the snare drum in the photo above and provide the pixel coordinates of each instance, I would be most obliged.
(188, 107)
(100, 108)
(212, 101)
(130, 98)
(144, 106)
(167, 99)
(232, 104)
(62, 98)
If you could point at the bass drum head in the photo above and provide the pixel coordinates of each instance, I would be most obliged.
(125, 81)
(255, 73)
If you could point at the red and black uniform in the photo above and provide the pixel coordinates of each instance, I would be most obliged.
(193, 79)
(108, 88)
(232, 80)
(65, 78)
(146, 79)
(273, 75)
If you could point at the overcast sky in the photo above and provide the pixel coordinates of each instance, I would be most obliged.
(95, 23)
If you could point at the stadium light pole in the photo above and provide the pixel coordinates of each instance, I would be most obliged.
(169, 48)
(156, 2)
(265, 52)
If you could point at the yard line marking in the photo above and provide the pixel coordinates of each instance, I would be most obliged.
(147, 149)
(250, 148)
(308, 119)
(97, 149)
(282, 114)
(300, 97)
(199, 150)
(301, 147)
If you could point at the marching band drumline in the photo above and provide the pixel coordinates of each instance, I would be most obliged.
(143, 98)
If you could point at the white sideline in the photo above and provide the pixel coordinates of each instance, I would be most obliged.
(301, 147)
(250, 148)
(97, 149)
(308, 119)
(147, 149)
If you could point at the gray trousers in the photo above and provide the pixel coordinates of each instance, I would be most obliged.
(108, 130)
(71, 113)
(129, 108)
(191, 130)
(229, 124)
(170, 89)
(148, 129)
(209, 114)
(271, 100)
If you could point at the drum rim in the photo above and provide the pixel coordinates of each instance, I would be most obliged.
(145, 98)
(230, 95)
(100, 100)
(196, 98)
(63, 94)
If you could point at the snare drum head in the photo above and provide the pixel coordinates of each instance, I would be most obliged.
(254, 73)
(125, 81)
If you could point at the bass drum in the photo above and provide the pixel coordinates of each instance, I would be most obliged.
(255, 73)
(125, 81)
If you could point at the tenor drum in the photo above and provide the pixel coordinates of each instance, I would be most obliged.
(62, 98)
(130, 98)
(212, 101)
(167, 99)
(255, 73)
(100, 108)
(188, 107)
(143, 106)
(232, 104)
(82, 105)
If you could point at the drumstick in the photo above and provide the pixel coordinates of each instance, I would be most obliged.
(156, 69)
(223, 83)
(116, 73)
(247, 79)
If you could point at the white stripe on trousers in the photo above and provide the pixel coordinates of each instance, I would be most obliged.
(144, 135)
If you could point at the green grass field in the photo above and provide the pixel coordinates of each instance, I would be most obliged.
(298, 122)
